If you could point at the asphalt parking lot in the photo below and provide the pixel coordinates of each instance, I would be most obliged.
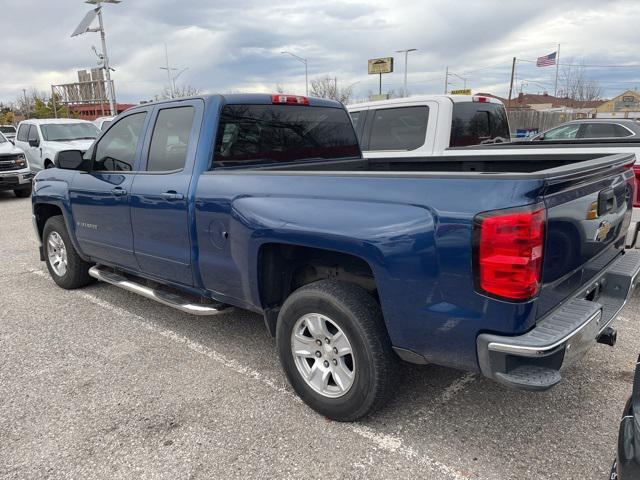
(100, 383)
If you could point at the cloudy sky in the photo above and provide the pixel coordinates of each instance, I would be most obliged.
(235, 45)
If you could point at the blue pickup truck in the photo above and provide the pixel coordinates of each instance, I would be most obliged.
(511, 266)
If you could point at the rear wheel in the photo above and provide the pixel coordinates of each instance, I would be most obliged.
(65, 266)
(335, 350)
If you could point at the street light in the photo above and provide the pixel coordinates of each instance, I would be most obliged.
(306, 72)
(172, 79)
(406, 59)
(84, 28)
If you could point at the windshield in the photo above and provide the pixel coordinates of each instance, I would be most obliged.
(60, 132)
(259, 134)
(477, 122)
(7, 129)
(2, 138)
(105, 124)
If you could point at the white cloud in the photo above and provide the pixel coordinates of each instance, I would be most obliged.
(235, 45)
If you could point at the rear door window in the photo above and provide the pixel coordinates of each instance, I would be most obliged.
(403, 128)
(474, 123)
(598, 130)
(268, 134)
(168, 149)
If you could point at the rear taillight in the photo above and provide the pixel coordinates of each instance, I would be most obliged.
(289, 99)
(636, 195)
(508, 247)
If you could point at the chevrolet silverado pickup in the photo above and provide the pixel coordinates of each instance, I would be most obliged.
(504, 266)
(14, 169)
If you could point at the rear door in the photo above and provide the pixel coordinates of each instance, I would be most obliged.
(587, 221)
(100, 199)
(160, 192)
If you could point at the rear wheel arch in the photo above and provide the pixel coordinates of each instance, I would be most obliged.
(284, 268)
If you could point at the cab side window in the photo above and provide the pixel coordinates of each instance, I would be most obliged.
(23, 132)
(170, 140)
(116, 151)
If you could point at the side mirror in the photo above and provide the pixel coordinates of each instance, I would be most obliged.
(34, 143)
(69, 160)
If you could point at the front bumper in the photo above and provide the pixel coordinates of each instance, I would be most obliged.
(11, 179)
(532, 361)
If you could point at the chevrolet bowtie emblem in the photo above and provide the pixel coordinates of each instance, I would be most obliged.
(602, 231)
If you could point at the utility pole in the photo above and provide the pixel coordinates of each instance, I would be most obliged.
(555, 91)
(513, 71)
(107, 69)
(166, 57)
(26, 105)
(306, 69)
(446, 80)
(84, 27)
(406, 67)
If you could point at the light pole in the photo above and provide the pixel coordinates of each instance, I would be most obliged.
(306, 71)
(172, 79)
(84, 28)
(406, 67)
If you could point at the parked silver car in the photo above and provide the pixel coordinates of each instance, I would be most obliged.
(590, 129)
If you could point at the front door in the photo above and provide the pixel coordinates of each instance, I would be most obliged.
(101, 199)
(160, 193)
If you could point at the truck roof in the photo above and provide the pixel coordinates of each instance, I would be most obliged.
(247, 99)
(423, 98)
(47, 121)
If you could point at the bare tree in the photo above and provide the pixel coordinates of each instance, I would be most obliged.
(327, 87)
(180, 91)
(279, 88)
(575, 85)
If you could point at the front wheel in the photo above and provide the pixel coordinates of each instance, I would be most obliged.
(23, 192)
(65, 266)
(335, 350)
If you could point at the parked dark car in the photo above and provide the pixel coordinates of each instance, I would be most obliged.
(627, 465)
(589, 129)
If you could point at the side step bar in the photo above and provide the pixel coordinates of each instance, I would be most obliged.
(161, 296)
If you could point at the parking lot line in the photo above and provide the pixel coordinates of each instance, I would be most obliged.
(384, 441)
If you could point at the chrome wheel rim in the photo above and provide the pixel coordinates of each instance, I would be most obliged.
(323, 355)
(57, 253)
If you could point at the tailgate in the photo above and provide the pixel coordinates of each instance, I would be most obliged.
(588, 214)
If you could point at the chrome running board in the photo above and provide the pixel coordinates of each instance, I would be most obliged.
(166, 298)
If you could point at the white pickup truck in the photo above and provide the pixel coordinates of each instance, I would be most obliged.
(42, 139)
(446, 125)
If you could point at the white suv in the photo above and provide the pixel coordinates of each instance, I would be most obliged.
(42, 139)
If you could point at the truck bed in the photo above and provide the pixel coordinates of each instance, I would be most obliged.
(516, 166)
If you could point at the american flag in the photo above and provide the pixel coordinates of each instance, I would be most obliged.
(546, 60)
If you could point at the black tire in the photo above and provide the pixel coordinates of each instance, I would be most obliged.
(359, 316)
(23, 192)
(48, 164)
(77, 270)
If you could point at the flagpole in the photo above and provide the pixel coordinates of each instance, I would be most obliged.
(555, 92)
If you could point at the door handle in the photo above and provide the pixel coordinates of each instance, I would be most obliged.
(172, 195)
(118, 191)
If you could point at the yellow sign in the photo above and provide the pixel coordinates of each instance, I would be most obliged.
(462, 91)
(381, 65)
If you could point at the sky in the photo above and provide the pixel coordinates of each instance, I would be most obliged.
(235, 46)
